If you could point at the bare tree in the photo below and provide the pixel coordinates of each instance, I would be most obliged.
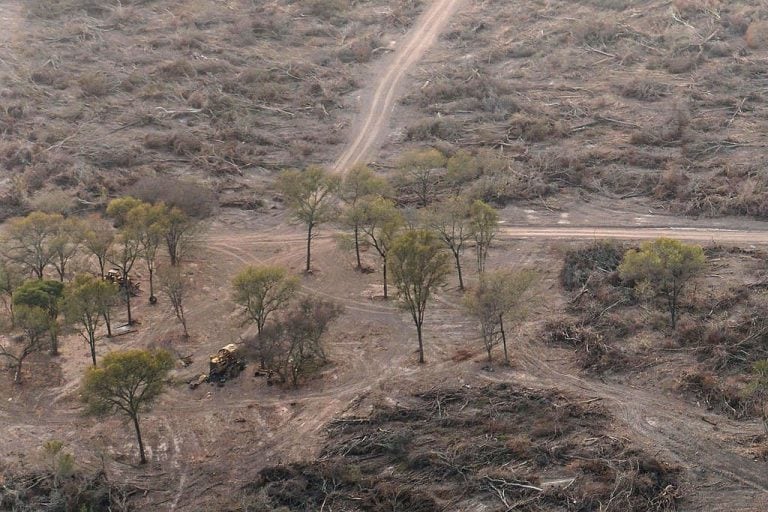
(500, 295)
(294, 346)
(380, 222)
(123, 256)
(421, 174)
(176, 286)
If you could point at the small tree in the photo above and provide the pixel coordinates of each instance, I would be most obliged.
(176, 287)
(65, 243)
(27, 241)
(34, 323)
(665, 265)
(123, 256)
(450, 221)
(150, 224)
(261, 291)
(10, 278)
(127, 382)
(97, 240)
(421, 174)
(483, 223)
(86, 301)
(293, 347)
(359, 183)
(46, 296)
(62, 464)
(179, 228)
(380, 221)
(499, 295)
(310, 195)
(419, 265)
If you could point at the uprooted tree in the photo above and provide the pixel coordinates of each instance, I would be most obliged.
(126, 382)
(293, 347)
(663, 266)
(419, 266)
(500, 295)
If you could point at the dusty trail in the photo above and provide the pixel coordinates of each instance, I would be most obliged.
(379, 105)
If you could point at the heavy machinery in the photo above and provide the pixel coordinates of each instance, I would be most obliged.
(114, 275)
(226, 364)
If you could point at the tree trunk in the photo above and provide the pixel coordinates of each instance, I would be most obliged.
(128, 303)
(673, 308)
(17, 374)
(357, 247)
(143, 457)
(183, 320)
(54, 341)
(102, 264)
(108, 323)
(421, 343)
(385, 277)
(503, 338)
(309, 246)
(151, 271)
(458, 269)
(92, 343)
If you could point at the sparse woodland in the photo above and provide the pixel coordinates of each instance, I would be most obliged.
(128, 131)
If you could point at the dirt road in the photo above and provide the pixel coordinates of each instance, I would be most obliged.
(378, 104)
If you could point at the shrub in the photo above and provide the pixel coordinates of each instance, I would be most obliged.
(601, 256)
(757, 35)
(643, 89)
(94, 84)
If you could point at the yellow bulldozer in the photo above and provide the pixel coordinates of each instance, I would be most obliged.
(226, 364)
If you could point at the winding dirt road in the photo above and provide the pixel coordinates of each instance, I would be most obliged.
(377, 106)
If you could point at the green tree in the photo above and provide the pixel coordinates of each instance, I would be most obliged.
(499, 295)
(380, 221)
(27, 241)
(419, 265)
(127, 382)
(46, 296)
(119, 208)
(359, 183)
(176, 287)
(65, 243)
(10, 278)
(261, 291)
(484, 222)
(310, 195)
(86, 301)
(34, 323)
(150, 225)
(97, 240)
(421, 174)
(123, 255)
(665, 266)
(450, 221)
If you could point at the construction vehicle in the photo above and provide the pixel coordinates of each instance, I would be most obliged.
(226, 364)
(114, 275)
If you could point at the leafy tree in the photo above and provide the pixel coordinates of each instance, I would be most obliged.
(462, 168)
(97, 240)
(263, 290)
(450, 221)
(419, 265)
(421, 174)
(28, 241)
(176, 287)
(179, 228)
(380, 222)
(34, 323)
(127, 382)
(123, 255)
(359, 183)
(86, 301)
(310, 195)
(10, 278)
(665, 266)
(293, 346)
(150, 225)
(67, 237)
(46, 296)
(119, 208)
(483, 223)
(499, 295)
